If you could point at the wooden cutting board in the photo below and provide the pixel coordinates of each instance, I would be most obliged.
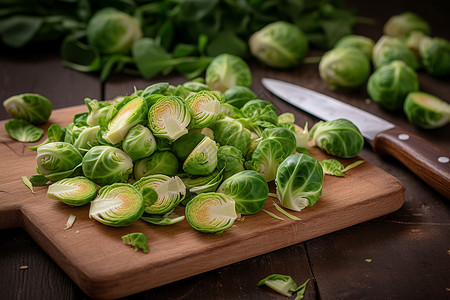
(95, 258)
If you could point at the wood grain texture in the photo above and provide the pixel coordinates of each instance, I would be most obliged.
(95, 258)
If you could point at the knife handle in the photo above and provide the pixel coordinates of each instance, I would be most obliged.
(429, 162)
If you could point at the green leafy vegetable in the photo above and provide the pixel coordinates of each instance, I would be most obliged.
(405, 23)
(138, 240)
(28, 183)
(388, 49)
(426, 111)
(290, 216)
(285, 285)
(334, 167)
(54, 134)
(76, 191)
(23, 131)
(435, 54)
(160, 162)
(168, 218)
(34, 108)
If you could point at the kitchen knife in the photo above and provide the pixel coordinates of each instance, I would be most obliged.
(428, 161)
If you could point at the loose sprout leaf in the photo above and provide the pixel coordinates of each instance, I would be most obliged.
(272, 215)
(38, 180)
(27, 182)
(332, 167)
(138, 240)
(54, 134)
(301, 290)
(292, 217)
(168, 218)
(70, 221)
(23, 131)
(283, 284)
(352, 165)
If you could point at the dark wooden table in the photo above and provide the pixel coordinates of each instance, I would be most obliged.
(403, 255)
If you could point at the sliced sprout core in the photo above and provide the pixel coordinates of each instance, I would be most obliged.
(76, 191)
(205, 106)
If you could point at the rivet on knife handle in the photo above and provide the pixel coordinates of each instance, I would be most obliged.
(429, 162)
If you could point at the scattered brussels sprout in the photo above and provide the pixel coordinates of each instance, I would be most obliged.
(205, 107)
(388, 49)
(339, 137)
(248, 189)
(362, 43)
(344, 68)
(226, 71)
(106, 165)
(87, 139)
(299, 181)
(34, 108)
(203, 159)
(138, 240)
(404, 23)
(211, 212)
(228, 131)
(260, 111)
(426, 111)
(266, 158)
(160, 162)
(184, 145)
(238, 95)
(57, 160)
(170, 190)
(117, 205)
(130, 112)
(75, 191)
(435, 54)
(279, 45)
(139, 142)
(389, 84)
(282, 135)
(23, 131)
(230, 160)
(112, 31)
(169, 118)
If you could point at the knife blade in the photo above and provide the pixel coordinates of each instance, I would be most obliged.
(428, 161)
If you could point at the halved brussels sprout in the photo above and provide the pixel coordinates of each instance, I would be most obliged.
(117, 205)
(238, 95)
(23, 131)
(299, 181)
(75, 191)
(279, 45)
(106, 165)
(260, 111)
(226, 71)
(34, 108)
(205, 107)
(389, 84)
(338, 137)
(160, 162)
(248, 189)
(169, 118)
(97, 109)
(203, 159)
(139, 142)
(426, 111)
(184, 145)
(87, 139)
(211, 212)
(230, 160)
(228, 131)
(388, 49)
(435, 53)
(346, 68)
(171, 191)
(362, 43)
(404, 23)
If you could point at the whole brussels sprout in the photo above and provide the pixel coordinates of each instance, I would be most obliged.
(229, 159)
(226, 71)
(106, 165)
(112, 31)
(362, 43)
(160, 162)
(139, 142)
(345, 68)
(338, 137)
(388, 49)
(299, 181)
(404, 23)
(228, 110)
(238, 95)
(426, 111)
(435, 54)
(228, 131)
(266, 158)
(260, 111)
(285, 136)
(389, 84)
(34, 108)
(279, 45)
(184, 145)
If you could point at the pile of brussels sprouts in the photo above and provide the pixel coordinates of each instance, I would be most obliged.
(405, 48)
(209, 144)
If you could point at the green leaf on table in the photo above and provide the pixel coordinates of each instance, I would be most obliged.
(334, 167)
(23, 131)
(54, 134)
(27, 182)
(38, 180)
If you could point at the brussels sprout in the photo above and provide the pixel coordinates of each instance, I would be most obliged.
(160, 162)
(155, 89)
(299, 181)
(139, 142)
(184, 145)
(211, 212)
(404, 23)
(106, 165)
(389, 84)
(413, 42)
(169, 118)
(87, 139)
(345, 68)
(112, 31)
(57, 160)
(286, 118)
(195, 86)
(205, 107)
(23, 131)
(54, 134)
(117, 205)
(279, 45)
(426, 111)
(228, 110)
(230, 160)
(282, 135)
(260, 111)
(248, 189)
(34, 108)
(97, 109)
(138, 240)
(226, 71)
(228, 131)
(238, 95)
(362, 43)
(388, 49)
(76, 191)
(435, 53)
(131, 111)
(266, 158)
(203, 159)
(171, 191)
(339, 137)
